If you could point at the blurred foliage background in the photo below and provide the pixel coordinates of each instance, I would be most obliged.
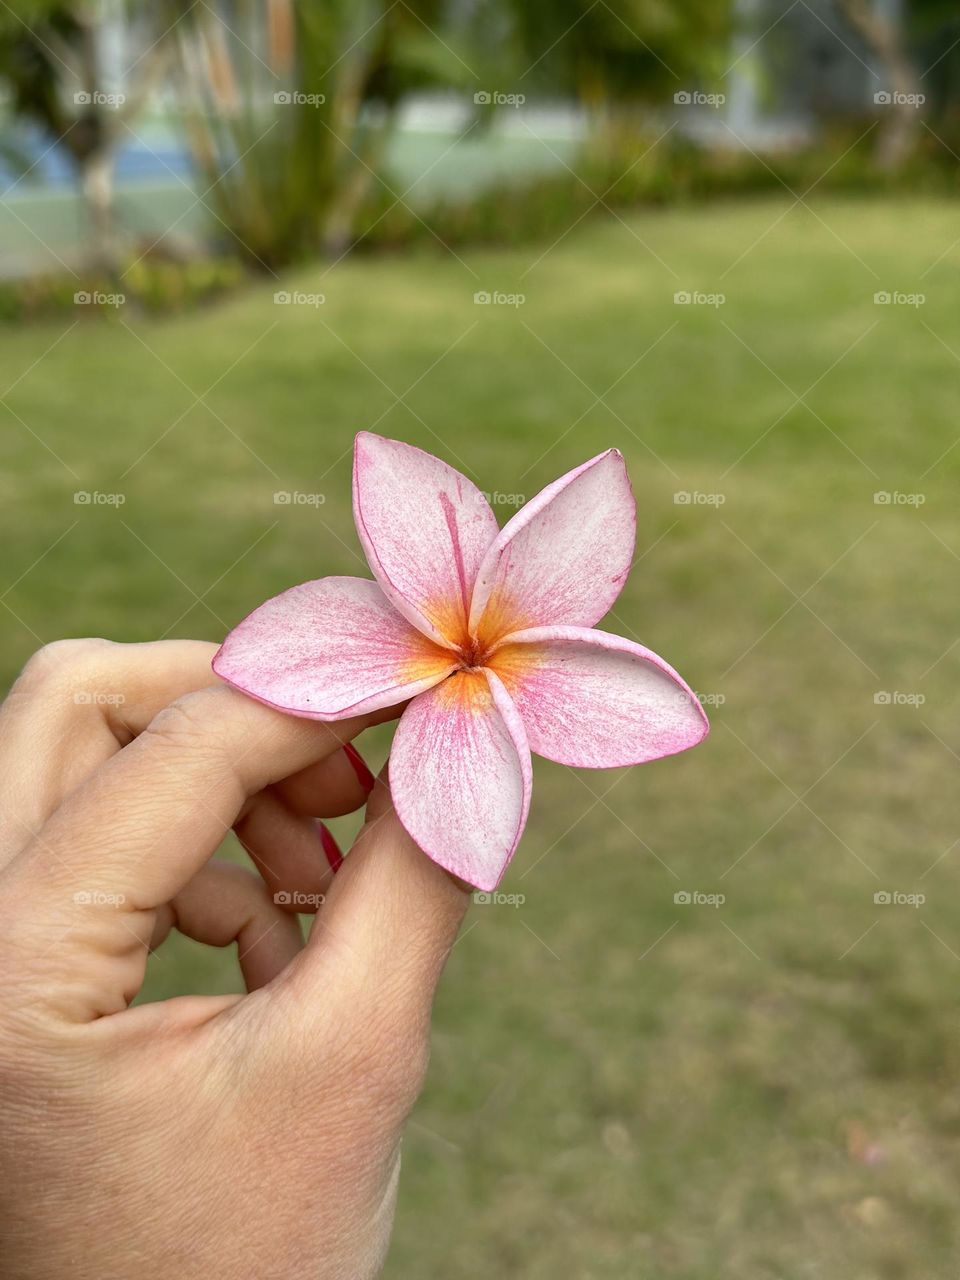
(722, 238)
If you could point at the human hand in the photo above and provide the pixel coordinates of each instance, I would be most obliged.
(219, 1137)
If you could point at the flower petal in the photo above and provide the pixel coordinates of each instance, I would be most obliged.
(330, 649)
(460, 776)
(564, 557)
(424, 529)
(597, 701)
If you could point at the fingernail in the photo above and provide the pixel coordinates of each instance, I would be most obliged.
(366, 778)
(330, 848)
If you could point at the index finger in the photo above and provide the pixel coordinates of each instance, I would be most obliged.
(140, 828)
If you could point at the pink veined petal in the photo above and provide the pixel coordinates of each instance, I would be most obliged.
(597, 701)
(330, 649)
(424, 529)
(460, 776)
(564, 557)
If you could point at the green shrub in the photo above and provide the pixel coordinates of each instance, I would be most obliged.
(149, 285)
(628, 170)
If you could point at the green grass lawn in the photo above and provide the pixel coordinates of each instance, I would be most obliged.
(622, 1086)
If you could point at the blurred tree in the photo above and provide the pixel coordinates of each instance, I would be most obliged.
(291, 143)
(621, 53)
(619, 60)
(883, 33)
(291, 107)
(934, 28)
(52, 65)
(288, 105)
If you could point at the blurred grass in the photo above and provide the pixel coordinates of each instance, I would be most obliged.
(621, 1086)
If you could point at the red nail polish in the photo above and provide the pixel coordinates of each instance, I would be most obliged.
(359, 766)
(330, 848)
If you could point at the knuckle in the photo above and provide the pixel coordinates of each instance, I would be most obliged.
(61, 662)
(190, 722)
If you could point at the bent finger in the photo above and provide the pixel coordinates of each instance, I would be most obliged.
(295, 855)
(225, 904)
(138, 830)
(76, 703)
(340, 784)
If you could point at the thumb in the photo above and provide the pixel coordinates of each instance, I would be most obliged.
(389, 922)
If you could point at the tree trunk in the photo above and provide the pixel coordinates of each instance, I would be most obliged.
(355, 186)
(884, 40)
(96, 186)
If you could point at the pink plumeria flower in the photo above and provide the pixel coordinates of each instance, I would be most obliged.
(487, 632)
